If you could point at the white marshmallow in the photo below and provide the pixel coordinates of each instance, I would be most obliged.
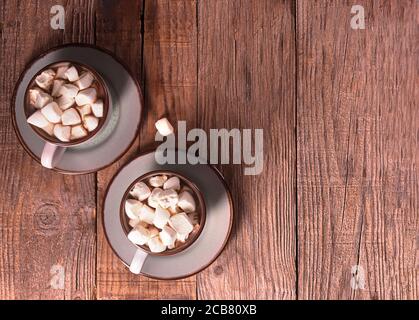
(172, 183)
(139, 235)
(172, 246)
(49, 128)
(146, 214)
(182, 237)
(68, 90)
(164, 127)
(167, 236)
(64, 102)
(134, 222)
(37, 119)
(157, 181)
(186, 202)
(174, 210)
(84, 110)
(140, 191)
(56, 88)
(181, 223)
(52, 112)
(45, 79)
(70, 117)
(154, 232)
(86, 96)
(156, 245)
(97, 108)
(61, 73)
(90, 123)
(42, 98)
(34, 94)
(167, 198)
(78, 132)
(85, 80)
(133, 208)
(62, 133)
(72, 74)
(61, 70)
(161, 217)
(153, 198)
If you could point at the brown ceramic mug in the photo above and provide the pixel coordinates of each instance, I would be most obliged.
(54, 148)
(143, 250)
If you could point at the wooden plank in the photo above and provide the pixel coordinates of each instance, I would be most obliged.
(357, 159)
(247, 80)
(46, 219)
(169, 47)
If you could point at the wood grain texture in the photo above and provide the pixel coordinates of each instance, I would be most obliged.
(247, 80)
(46, 218)
(167, 71)
(357, 151)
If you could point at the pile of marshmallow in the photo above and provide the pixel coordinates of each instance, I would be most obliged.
(162, 213)
(65, 103)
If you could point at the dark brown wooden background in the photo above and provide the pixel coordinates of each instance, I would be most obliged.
(339, 109)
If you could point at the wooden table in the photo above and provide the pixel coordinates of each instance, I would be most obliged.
(339, 109)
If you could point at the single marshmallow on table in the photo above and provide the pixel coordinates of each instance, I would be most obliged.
(37, 119)
(97, 108)
(156, 245)
(65, 102)
(140, 191)
(161, 217)
(167, 198)
(62, 133)
(181, 223)
(133, 208)
(70, 117)
(86, 96)
(168, 236)
(90, 122)
(57, 87)
(68, 90)
(153, 198)
(45, 79)
(172, 183)
(85, 80)
(186, 202)
(139, 235)
(157, 181)
(146, 214)
(71, 74)
(52, 112)
(164, 127)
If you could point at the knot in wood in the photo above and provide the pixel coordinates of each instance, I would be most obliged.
(47, 219)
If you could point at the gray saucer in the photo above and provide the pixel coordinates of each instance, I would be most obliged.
(210, 242)
(119, 132)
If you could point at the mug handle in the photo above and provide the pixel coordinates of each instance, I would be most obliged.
(138, 261)
(51, 153)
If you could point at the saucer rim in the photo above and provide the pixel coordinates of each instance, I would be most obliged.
(222, 247)
(40, 56)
